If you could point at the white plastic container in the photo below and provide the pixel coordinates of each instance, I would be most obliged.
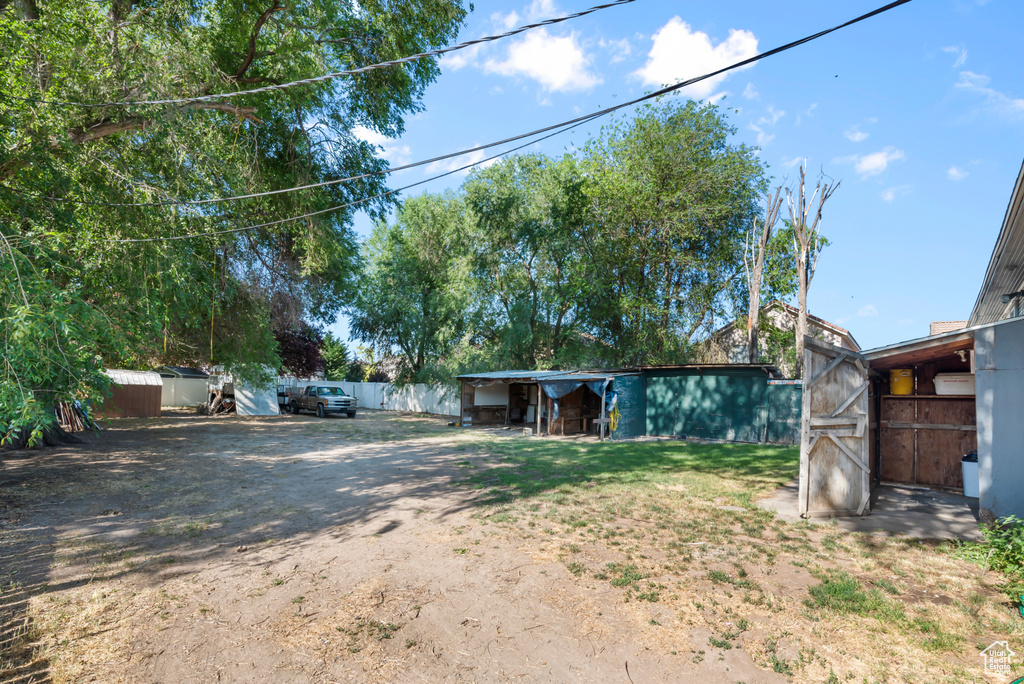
(970, 479)
(954, 383)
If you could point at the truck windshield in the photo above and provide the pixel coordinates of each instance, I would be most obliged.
(330, 392)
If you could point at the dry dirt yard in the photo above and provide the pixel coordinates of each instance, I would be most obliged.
(394, 548)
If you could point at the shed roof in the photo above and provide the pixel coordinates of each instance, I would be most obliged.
(182, 372)
(600, 374)
(131, 377)
(924, 349)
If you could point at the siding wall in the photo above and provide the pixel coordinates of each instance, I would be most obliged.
(999, 359)
(723, 404)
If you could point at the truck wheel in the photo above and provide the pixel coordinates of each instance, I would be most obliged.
(293, 407)
(351, 414)
(320, 411)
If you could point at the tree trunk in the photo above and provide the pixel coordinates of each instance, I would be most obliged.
(806, 248)
(755, 271)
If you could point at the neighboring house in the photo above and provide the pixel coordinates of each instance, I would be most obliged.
(729, 343)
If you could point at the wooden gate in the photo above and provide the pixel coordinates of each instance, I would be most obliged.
(834, 462)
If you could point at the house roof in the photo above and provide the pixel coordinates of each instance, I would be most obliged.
(793, 311)
(1005, 273)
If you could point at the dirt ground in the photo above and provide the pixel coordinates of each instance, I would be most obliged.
(293, 549)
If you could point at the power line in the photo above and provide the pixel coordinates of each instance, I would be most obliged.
(539, 131)
(328, 77)
(340, 206)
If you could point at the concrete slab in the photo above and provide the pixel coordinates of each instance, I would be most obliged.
(919, 513)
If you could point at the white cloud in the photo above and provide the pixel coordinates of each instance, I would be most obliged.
(453, 61)
(750, 92)
(763, 122)
(997, 102)
(867, 310)
(890, 194)
(855, 134)
(454, 163)
(394, 151)
(541, 9)
(620, 49)
(873, 164)
(556, 62)
(506, 21)
(961, 54)
(679, 53)
(795, 161)
(957, 174)
(763, 137)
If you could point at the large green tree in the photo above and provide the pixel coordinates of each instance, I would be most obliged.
(415, 297)
(75, 295)
(529, 211)
(670, 198)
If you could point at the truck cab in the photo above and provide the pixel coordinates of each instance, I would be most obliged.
(321, 399)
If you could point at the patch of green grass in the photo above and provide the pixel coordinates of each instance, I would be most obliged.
(555, 470)
(841, 592)
(624, 575)
(576, 568)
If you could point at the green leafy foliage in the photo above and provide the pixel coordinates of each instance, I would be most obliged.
(335, 355)
(627, 252)
(77, 294)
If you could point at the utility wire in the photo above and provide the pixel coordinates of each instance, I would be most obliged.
(340, 206)
(328, 77)
(564, 124)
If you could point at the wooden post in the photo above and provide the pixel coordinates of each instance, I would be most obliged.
(600, 426)
(462, 403)
(550, 415)
(540, 402)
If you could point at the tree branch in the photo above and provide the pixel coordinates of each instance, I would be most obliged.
(104, 128)
(247, 62)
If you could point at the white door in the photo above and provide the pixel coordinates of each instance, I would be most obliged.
(834, 466)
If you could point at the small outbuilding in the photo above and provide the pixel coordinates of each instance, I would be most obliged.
(133, 394)
(908, 413)
(729, 402)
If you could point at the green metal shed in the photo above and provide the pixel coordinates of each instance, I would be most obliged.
(714, 401)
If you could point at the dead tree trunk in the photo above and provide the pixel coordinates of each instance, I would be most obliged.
(753, 262)
(806, 247)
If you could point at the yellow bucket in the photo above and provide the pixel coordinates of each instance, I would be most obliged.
(901, 381)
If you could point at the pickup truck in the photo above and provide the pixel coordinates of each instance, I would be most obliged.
(322, 399)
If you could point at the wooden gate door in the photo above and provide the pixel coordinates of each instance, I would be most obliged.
(834, 465)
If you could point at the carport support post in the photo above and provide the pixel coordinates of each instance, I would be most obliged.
(540, 402)
(462, 403)
(600, 426)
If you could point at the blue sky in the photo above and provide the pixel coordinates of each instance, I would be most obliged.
(919, 112)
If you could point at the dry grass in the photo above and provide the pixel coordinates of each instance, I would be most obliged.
(657, 533)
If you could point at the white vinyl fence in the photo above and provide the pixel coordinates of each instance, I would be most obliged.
(416, 398)
(183, 392)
